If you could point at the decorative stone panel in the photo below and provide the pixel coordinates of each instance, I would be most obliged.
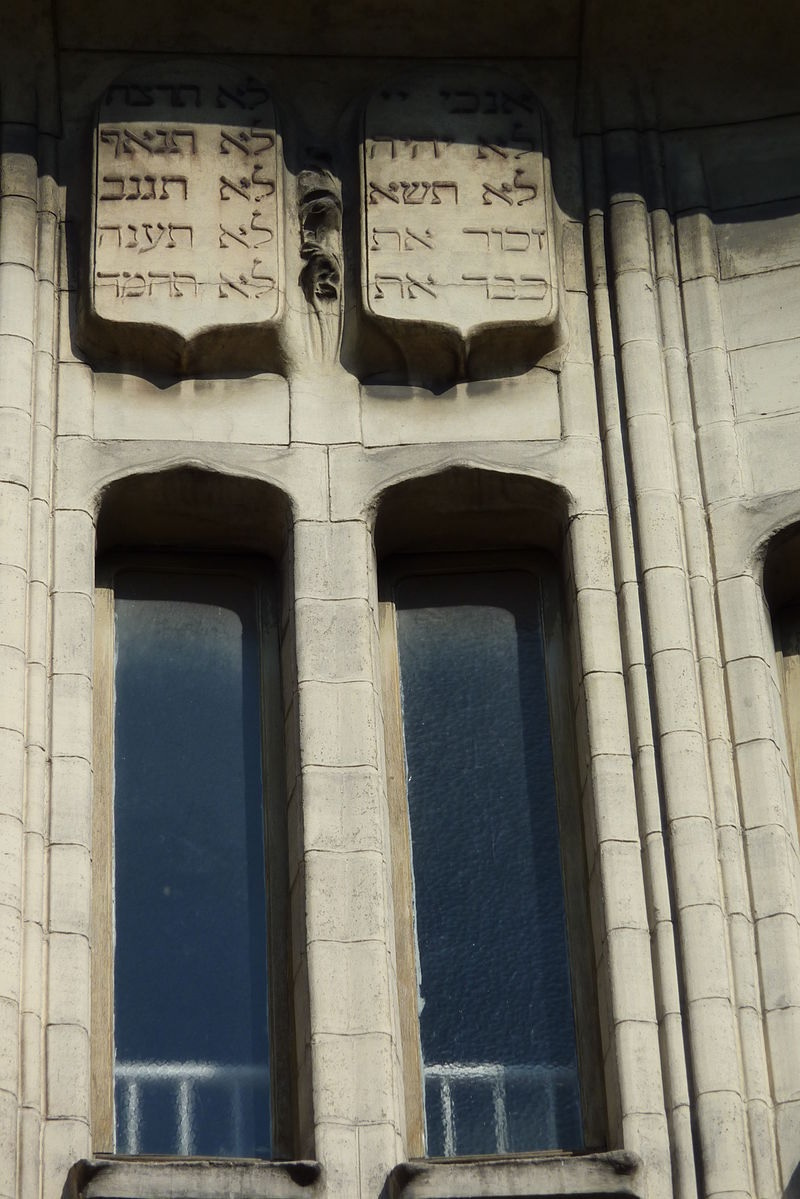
(186, 256)
(458, 252)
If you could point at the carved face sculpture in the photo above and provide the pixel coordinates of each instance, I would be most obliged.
(321, 276)
(321, 210)
(326, 278)
(321, 214)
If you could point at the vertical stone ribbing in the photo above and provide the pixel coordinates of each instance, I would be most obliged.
(768, 827)
(715, 1074)
(673, 1053)
(37, 712)
(741, 941)
(66, 1009)
(18, 245)
(709, 378)
(67, 1099)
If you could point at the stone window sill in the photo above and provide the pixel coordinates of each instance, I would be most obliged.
(201, 1178)
(617, 1173)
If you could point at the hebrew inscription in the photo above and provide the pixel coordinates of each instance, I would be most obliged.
(454, 203)
(187, 202)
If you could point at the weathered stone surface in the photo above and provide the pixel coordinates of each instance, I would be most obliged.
(760, 238)
(187, 209)
(766, 378)
(468, 412)
(610, 1173)
(101, 1179)
(196, 410)
(759, 309)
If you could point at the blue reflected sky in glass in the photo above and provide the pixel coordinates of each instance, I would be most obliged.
(491, 929)
(190, 885)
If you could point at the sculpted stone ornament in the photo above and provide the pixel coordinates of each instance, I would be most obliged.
(186, 261)
(458, 249)
(320, 205)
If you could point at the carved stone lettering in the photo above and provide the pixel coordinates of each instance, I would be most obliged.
(455, 205)
(187, 202)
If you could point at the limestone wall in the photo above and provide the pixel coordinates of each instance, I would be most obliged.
(584, 340)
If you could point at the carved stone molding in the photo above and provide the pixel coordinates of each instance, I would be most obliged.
(186, 255)
(104, 1178)
(616, 1173)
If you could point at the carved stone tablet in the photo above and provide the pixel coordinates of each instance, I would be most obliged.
(187, 208)
(456, 209)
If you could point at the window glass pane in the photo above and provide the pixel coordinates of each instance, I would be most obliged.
(190, 1008)
(496, 1019)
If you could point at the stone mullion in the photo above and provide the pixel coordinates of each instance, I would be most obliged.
(354, 1052)
(709, 1003)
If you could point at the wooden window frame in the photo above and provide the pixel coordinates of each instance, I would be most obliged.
(558, 672)
(787, 651)
(261, 573)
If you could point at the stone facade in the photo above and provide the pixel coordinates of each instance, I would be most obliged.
(584, 339)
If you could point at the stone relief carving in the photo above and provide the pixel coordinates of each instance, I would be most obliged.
(187, 217)
(456, 272)
(457, 226)
(320, 206)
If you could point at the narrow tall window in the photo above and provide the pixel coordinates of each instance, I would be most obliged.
(195, 665)
(788, 645)
(499, 1058)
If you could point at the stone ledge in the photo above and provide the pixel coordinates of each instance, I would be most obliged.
(162, 1178)
(522, 1177)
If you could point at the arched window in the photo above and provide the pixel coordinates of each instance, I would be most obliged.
(192, 1011)
(490, 897)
